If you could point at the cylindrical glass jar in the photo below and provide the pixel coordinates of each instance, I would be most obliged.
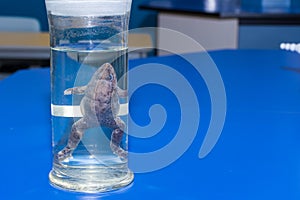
(89, 94)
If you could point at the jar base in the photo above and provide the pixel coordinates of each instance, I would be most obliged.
(87, 183)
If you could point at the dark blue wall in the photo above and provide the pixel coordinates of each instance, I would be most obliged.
(276, 3)
(141, 18)
(36, 8)
(30, 8)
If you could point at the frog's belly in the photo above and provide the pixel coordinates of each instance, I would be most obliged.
(96, 110)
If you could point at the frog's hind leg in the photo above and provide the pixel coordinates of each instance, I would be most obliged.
(75, 137)
(116, 138)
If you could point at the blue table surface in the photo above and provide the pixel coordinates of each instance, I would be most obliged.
(256, 157)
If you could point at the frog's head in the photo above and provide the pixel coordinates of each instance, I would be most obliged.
(107, 72)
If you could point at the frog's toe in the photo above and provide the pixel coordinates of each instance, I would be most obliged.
(124, 156)
(121, 153)
(68, 91)
(63, 154)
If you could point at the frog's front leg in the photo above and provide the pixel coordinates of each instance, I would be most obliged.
(75, 90)
(122, 93)
(116, 138)
(75, 137)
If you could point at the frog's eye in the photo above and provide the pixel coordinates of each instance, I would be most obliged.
(110, 77)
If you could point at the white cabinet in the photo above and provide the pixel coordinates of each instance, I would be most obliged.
(210, 32)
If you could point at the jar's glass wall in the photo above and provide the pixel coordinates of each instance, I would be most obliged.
(89, 95)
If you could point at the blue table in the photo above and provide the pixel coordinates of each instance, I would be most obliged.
(256, 157)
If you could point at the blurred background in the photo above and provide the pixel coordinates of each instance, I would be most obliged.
(215, 24)
(36, 9)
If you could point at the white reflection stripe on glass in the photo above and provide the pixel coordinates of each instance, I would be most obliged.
(74, 111)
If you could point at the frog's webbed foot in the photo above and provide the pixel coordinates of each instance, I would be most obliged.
(116, 139)
(117, 150)
(65, 153)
